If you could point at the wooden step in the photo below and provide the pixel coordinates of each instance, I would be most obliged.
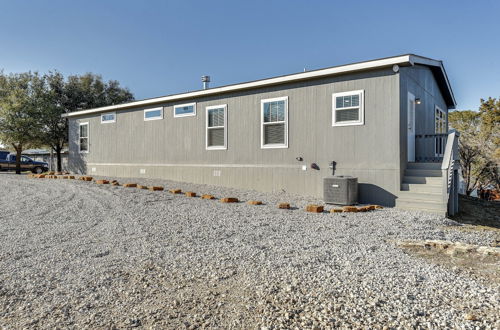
(420, 196)
(423, 166)
(422, 179)
(422, 188)
(420, 172)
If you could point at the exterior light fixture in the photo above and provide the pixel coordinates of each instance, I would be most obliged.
(418, 101)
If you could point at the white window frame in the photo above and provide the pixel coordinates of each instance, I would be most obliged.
(88, 138)
(262, 123)
(108, 121)
(153, 118)
(185, 114)
(361, 120)
(224, 147)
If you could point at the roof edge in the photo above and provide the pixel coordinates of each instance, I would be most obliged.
(402, 59)
(372, 64)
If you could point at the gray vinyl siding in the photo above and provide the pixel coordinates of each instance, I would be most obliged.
(175, 148)
(420, 81)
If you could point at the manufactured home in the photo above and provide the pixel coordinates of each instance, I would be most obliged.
(383, 121)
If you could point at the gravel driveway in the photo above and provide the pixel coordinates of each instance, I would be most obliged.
(75, 254)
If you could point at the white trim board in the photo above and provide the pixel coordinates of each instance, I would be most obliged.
(199, 165)
(408, 59)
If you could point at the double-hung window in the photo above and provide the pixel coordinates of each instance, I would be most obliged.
(216, 127)
(109, 117)
(184, 110)
(348, 108)
(274, 123)
(153, 114)
(83, 138)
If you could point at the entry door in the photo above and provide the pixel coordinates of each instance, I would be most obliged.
(411, 127)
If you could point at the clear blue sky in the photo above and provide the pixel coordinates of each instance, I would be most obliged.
(163, 47)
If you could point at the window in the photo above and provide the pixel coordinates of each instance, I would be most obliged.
(108, 117)
(440, 128)
(274, 123)
(184, 110)
(217, 127)
(153, 114)
(348, 108)
(84, 137)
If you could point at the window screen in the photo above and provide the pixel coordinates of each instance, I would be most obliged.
(216, 127)
(84, 137)
(348, 108)
(274, 123)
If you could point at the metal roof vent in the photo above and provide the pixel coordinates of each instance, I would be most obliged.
(205, 80)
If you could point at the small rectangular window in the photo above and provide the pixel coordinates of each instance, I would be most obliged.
(153, 114)
(108, 118)
(184, 110)
(348, 108)
(83, 137)
(274, 123)
(216, 127)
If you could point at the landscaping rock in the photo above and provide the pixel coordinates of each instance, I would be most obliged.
(140, 186)
(229, 200)
(285, 206)
(175, 191)
(130, 185)
(350, 209)
(155, 188)
(314, 208)
(102, 182)
(190, 194)
(74, 255)
(206, 196)
(336, 211)
(254, 202)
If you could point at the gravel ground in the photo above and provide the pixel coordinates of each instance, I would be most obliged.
(75, 254)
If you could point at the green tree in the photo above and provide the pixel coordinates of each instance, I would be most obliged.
(478, 143)
(19, 110)
(76, 93)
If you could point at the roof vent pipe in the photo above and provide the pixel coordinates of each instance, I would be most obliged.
(205, 80)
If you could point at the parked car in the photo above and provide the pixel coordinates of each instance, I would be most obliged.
(27, 164)
(4, 154)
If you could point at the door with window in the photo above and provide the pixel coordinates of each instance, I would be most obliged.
(411, 128)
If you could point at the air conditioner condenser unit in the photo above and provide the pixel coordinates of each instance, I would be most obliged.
(341, 190)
